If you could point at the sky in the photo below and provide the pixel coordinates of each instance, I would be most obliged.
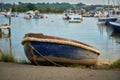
(88, 2)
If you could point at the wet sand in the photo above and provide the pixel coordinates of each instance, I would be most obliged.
(14, 71)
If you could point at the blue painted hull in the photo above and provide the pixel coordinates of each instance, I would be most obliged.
(38, 17)
(107, 20)
(115, 27)
(64, 51)
(43, 51)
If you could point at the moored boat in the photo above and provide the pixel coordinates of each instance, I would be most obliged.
(111, 16)
(116, 25)
(106, 20)
(37, 15)
(43, 48)
(66, 16)
(76, 18)
(28, 15)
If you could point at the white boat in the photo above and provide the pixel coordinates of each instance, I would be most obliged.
(68, 13)
(37, 15)
(76, 18)
(101, 14)
(67, 16)
(29, 15)
(73, 16)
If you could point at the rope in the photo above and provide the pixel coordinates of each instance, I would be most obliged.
(33, 57)
(42, 57)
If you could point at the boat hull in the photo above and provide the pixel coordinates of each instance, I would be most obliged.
(107, 20)
(37, 16)
(115, 26)
(61, 53)
(76, 19)
(72, 21)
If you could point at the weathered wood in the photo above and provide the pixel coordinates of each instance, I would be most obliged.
(1, 52)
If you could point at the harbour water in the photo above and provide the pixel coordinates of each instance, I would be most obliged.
(100, 37)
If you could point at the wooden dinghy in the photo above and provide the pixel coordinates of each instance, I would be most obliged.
(43, 48)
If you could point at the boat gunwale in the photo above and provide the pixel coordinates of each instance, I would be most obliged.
(115, 24)
(40, 35)
(58, 40)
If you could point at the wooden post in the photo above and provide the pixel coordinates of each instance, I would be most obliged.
(1, 52)
(9, 29)
(9, 20)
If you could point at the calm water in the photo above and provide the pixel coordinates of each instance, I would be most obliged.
(88, 31)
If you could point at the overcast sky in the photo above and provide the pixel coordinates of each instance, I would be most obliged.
(89, 2)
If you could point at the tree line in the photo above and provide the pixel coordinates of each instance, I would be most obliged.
(46, 7)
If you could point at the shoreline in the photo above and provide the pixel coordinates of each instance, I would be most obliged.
(13, 71)
(101, 62)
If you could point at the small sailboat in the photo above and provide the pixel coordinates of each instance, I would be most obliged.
(43, 48)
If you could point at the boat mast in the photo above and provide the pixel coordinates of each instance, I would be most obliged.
(108, 7)
(10, 10)
(118, 3)
(113, 3)
(108, 4)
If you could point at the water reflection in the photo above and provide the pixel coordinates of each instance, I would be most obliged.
(116, 36)
(4, 36)
(110, 42)
(5, 43)
(101, 29)
(87, 31)
(106, 29)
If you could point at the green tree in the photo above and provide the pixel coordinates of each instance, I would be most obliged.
(31, 6)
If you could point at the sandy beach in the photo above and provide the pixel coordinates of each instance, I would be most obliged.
(14, 71)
